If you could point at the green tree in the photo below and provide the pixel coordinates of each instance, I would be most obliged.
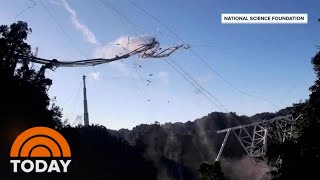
(24, 89)
(24, 101)
(300, 156)
(211, 171)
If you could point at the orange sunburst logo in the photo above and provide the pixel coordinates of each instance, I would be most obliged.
(39, 150)
(40, 142)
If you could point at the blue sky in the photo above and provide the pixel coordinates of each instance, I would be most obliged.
(270, 61)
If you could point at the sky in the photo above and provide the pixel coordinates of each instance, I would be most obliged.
(268, 61)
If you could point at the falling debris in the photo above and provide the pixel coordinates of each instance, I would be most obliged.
(150, 74)
(143, 46)
(148, 82)
(121, 47)
(159, 53)
(148, 100)
(131, 43)
(136, 66)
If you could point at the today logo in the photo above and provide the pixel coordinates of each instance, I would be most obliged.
(39, 150)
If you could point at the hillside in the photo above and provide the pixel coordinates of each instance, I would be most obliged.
(191, 143)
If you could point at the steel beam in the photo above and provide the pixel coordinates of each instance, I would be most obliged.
(253, 137)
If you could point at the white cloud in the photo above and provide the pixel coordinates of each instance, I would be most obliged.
(94, 76)
(163, 77)
(88, 35)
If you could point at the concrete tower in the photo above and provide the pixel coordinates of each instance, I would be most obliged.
(85, 105)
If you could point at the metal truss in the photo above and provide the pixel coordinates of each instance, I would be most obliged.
(253, 137)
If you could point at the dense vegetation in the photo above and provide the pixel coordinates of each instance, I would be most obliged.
(301, 155)
(168, 151)
(25, 103)
(192, 143)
